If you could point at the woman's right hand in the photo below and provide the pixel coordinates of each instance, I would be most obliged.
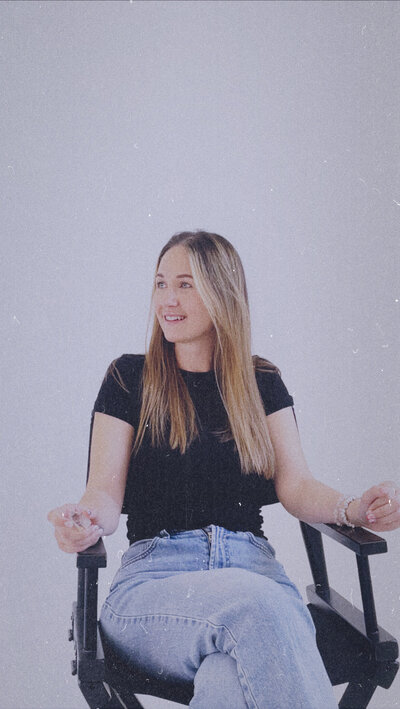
(75, 527)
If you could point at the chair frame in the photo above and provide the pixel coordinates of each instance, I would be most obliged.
(354, 648)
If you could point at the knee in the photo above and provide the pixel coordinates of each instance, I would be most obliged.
(216, 684)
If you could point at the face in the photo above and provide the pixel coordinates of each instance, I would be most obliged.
(180, 311)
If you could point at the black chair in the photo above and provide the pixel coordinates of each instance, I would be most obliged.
(354, 648)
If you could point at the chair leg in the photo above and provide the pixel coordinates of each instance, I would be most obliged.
(128, 702)
(98, 697)
(358, 694)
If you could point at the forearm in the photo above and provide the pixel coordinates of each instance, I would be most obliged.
(312, 501)
(378, 508)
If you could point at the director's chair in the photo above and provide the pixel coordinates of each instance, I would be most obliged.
(355, 650)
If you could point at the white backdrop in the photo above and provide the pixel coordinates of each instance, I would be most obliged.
(275, 124)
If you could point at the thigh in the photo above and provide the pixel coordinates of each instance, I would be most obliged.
(169, 625)
(169, 608)
(174, 577)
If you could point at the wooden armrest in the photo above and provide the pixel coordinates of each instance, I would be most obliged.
(363, 543)
(357, 539)
(88, 562)
(95, 557)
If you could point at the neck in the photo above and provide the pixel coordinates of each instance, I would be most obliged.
(195, 357)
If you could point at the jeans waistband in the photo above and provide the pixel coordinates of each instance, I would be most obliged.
(209, 529)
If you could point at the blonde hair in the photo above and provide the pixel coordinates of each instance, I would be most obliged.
(166, 403)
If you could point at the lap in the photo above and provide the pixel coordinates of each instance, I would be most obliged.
(165, 594)
(200, 595)
(179, 607)
(196, 573)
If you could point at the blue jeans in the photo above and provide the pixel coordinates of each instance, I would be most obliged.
(215, 607)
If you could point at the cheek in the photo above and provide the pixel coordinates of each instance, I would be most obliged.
(158, 315)
(204, 317)
(156, 306)
(156, 300)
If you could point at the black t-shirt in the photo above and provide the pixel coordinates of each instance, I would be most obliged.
(175, 492)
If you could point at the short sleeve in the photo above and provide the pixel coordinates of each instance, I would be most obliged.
(274, 393)
(119, 391)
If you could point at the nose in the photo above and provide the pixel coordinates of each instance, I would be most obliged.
(171, 297)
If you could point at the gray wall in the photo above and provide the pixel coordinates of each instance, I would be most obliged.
(273, 123)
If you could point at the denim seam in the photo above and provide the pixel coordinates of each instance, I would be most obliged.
(170, 615)
(246, 688)
(158, 616)
(141, 555)
(261, 548)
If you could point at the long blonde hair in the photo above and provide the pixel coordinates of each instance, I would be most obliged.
(166, 404)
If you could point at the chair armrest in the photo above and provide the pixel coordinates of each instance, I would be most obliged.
(88, 562)
(363, 543)
(95, 557)
(357, 539)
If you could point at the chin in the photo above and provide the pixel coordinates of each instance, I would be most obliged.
(170, 338)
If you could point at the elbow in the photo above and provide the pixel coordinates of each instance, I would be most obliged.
(286, 494)
(291, 493)
(108, 520)
(110, 528)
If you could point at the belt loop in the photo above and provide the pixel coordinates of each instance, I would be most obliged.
(164, 534)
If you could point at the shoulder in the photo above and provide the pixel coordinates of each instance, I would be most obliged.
(264, 365)
(273, 391)
(126, 370)
(119, 393)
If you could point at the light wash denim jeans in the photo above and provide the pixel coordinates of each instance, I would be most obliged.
(215, 607)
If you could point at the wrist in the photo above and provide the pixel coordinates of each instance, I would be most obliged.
(346, 511)
(352, 513)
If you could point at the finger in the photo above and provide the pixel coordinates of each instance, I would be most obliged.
(89, 540)
(391, 496)
(386, 524)
(392, 507)
(51, 516)
(389, 486)
(84, 517)
(378, 514)
(389, 492)
(60, 514)
(76, 533)
(66, 535)
(371, 495)
(55, 516)
(73, 540)
(80, 519)
(71, 532)
(378, 503)
(379, 490)
(80, 509)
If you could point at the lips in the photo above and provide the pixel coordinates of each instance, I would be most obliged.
(174, 318)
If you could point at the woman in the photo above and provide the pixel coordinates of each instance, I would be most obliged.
(196, 437)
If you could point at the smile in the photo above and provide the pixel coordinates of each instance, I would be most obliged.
(174, 318)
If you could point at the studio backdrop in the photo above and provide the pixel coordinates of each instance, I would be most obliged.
(275, 124)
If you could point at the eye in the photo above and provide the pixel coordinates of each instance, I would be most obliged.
(160, 284)
(185, 284)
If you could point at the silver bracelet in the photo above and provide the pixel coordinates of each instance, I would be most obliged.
(340, 513)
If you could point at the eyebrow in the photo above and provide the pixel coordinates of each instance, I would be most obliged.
(181, 275)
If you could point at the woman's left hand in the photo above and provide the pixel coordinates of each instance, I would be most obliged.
(379, 507)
